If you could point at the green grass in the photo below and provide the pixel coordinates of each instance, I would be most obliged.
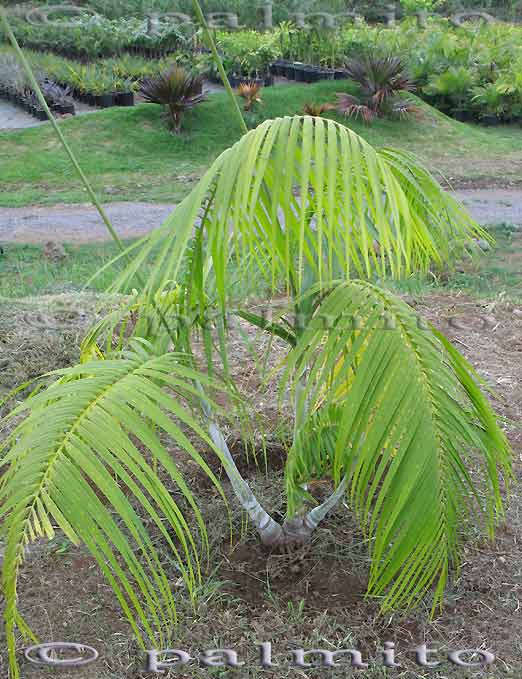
(129, 155)
(25, 272)
(494, 275)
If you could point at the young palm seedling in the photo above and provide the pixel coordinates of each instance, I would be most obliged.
(250, 93)
(177, 90)
(317, 110)
(382, 403)
(381, 80)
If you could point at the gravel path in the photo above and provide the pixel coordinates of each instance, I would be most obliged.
(81, 223)
(15, 118)
(78, 223)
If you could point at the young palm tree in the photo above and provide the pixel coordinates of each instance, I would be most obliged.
(384, 405)
(177, 90)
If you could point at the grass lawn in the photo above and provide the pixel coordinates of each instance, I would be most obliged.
(129, 155)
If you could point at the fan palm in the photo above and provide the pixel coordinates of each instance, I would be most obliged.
(383, 404)
(177, 90)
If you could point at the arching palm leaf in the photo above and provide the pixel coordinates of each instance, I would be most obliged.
(397, 415)
(89, 449)
(406, 421)
(306, 193)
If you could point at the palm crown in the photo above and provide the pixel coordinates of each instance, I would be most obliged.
(383, 403)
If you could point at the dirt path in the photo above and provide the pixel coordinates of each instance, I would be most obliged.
(81, 223)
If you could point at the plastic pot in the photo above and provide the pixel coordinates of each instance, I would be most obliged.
(104, 100)
(491, 121)
(312, 74)
(289, 70)
(64, 109)
(327, 74)
(462, 115)
(124, 99)
(300, 71)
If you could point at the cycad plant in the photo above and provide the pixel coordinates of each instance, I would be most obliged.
(381, 80)
(383, 404)
(177, 90)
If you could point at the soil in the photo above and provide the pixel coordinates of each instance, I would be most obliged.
(82, 223)
(314, 597)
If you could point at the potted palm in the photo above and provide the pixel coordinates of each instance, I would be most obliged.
(123, 89)
(490, 103)
(451, 91)
(102, 89)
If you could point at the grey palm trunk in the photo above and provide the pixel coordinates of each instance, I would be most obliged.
(296, 530)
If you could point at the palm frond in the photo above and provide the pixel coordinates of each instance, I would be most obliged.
(398, 412)
(303, 200)
(89, 449)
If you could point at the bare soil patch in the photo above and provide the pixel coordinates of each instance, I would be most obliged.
(313, 598)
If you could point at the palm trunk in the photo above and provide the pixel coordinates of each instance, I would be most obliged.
(269, 530)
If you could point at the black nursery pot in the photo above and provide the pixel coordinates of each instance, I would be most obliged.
(289, 71)
(104, 100)
(327, 74)
(278, 68)
(124, 99)
(40, 114)
(462, 115)
(300, 73)
(64, 109)
(340, 74)
(491, 121)
(312, 74)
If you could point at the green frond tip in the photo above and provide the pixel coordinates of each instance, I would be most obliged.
(88, 458)
(305, 200)
(401, 415)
